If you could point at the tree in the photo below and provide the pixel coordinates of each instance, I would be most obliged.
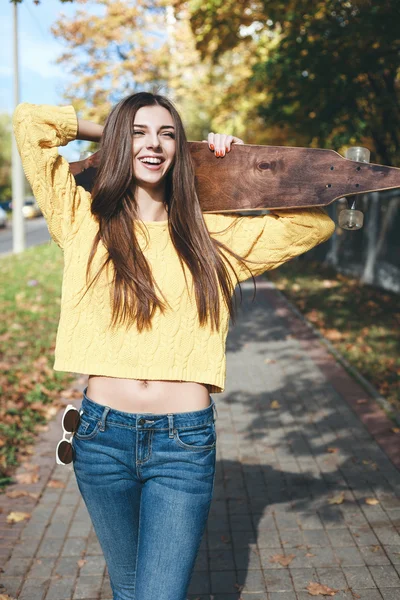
(136, 45)
(332, 75)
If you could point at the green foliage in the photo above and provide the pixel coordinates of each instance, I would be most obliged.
(332, 76)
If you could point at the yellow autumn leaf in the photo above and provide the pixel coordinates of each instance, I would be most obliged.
(338, 499)
(16, 517)
(319, 589)
(56, 483)
(371, 501)
(274, 404)
(282, 559)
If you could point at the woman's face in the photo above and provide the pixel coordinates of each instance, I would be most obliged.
(153, 145)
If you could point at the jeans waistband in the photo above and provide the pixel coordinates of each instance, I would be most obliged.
(164, 422)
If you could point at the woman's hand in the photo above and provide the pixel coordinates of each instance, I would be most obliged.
(220, 143)
(81, 165)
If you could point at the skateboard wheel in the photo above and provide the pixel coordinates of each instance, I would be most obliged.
(359, 154)
(351, 219)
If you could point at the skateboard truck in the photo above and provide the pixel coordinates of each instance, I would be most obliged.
(351, 218)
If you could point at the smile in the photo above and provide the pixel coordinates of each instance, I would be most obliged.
(152, 162)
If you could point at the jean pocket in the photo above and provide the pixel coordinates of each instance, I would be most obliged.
(196, 439)
(88, 428)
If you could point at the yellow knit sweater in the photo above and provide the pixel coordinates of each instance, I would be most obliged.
(176, 348)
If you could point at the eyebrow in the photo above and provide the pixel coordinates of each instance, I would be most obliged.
(162, 126)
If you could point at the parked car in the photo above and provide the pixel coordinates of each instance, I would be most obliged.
(3, 218)
(31, 209)
(6, 204)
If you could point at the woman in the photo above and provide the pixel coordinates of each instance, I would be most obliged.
(146, 299)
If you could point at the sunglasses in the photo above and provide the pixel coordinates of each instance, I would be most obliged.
(70, 423)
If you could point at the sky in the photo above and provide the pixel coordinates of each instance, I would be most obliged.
(41, 80)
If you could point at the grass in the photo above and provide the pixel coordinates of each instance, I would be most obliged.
(29, 388)
(360, 321)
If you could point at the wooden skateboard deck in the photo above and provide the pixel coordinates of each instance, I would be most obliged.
(261, 177)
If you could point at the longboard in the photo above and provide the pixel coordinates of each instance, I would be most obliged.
(254, 177)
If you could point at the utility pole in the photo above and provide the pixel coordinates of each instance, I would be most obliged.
(18, 224)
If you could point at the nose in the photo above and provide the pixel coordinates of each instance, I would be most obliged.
(152, 140)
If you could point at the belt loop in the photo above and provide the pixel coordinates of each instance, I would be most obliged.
(171, 424)
(104, 417)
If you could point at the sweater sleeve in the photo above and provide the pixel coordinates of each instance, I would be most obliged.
(39, 130)
(270, 239)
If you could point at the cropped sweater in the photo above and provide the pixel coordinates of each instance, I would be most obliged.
(176, 347)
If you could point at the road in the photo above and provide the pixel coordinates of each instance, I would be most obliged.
(36, 233)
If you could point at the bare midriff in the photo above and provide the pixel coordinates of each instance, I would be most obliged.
(148, 396)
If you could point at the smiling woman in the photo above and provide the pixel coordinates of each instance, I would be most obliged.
(153, 154)
(148, 325)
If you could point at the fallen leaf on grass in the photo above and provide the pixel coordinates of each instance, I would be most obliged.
(47, 410)
(329, 283)
(338, 499)
(55, 483)
(318, 589)
(315, 316)
(274, 404)
(333, 335)
(282, 559)
(16, 517)
(371, 501)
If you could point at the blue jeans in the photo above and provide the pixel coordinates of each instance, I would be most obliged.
(147, 482)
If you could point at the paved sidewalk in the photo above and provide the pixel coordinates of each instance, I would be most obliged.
(293, 434)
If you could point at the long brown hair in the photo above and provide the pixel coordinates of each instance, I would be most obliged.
(134, 298)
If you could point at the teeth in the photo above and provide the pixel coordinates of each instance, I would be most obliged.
(153, 161)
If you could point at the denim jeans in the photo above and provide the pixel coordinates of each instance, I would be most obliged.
(147, 482)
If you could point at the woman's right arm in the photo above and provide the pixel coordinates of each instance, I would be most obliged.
(89, 131)
(39, 130)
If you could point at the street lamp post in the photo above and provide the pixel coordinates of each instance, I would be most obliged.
(18, 224)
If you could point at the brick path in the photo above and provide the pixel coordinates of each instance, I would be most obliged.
(286, 403)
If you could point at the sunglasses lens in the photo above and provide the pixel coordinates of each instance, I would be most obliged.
(71, 420)
(65, 452)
